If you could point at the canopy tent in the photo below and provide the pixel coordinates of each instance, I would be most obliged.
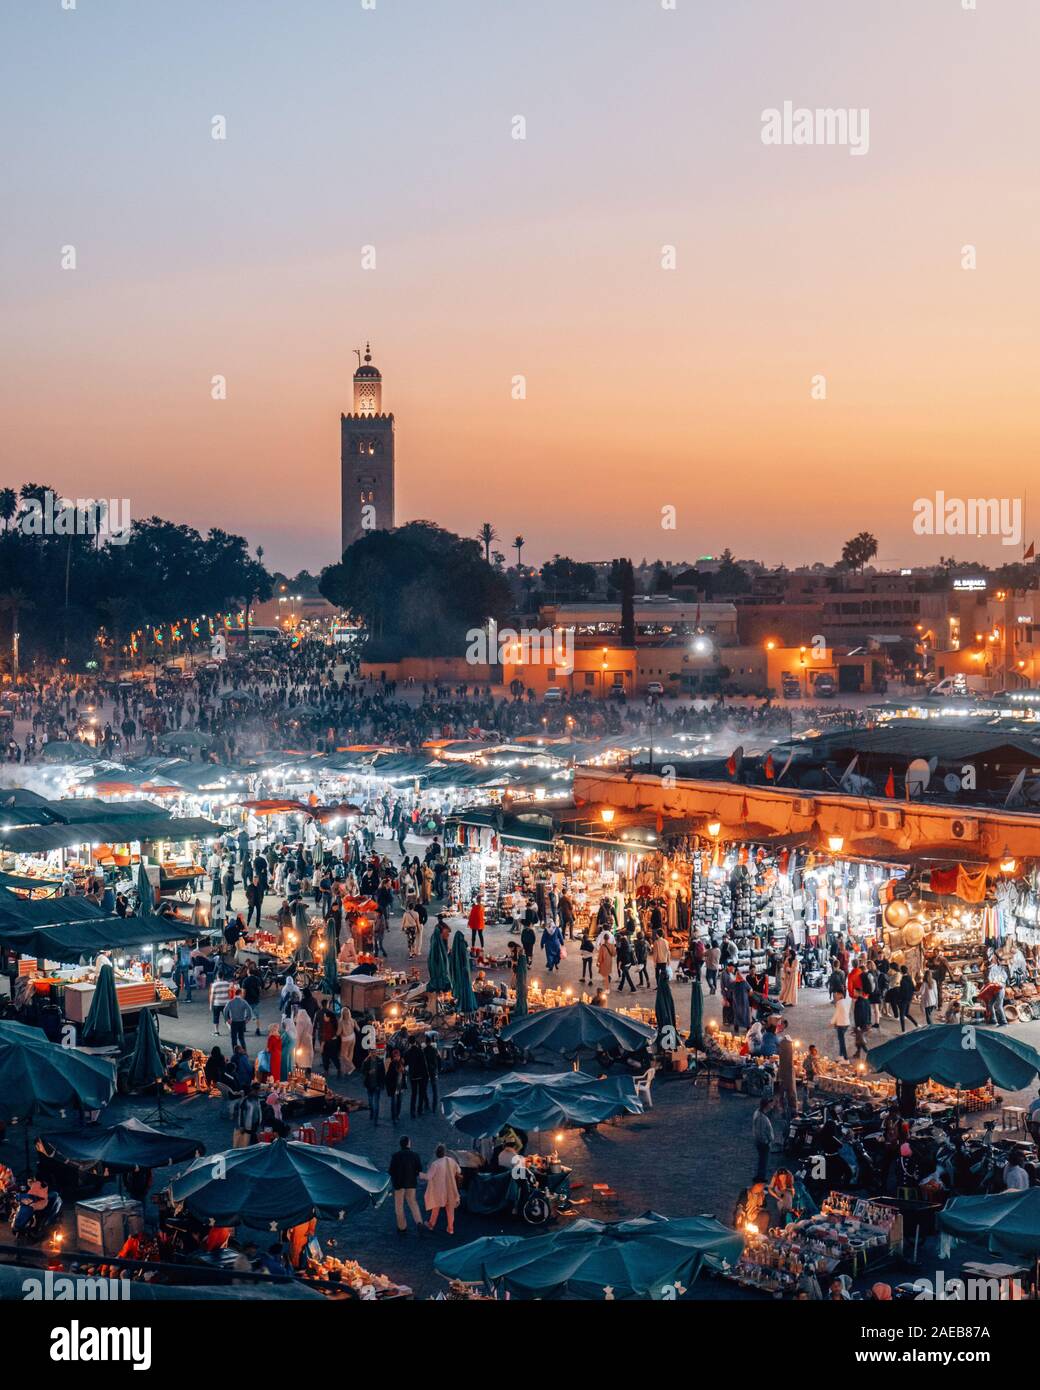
(437, 960)
(67, 751)
(458, 970)
(185, 738)
(274, 1186)
(43, 886)
(42, 1078)
(77, 940)
(24, 914)
(646, 1258)
(1007, 1223)
(577, 1030)
(527, 1101)
(103, 1025)
(122, 1148)
(959, 1055)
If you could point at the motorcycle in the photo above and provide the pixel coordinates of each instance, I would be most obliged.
(34, 1229)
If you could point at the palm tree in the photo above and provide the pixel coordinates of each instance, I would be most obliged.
(8, 506)
(487, 535)
(13, 601)
(857, 551)
(518, 545)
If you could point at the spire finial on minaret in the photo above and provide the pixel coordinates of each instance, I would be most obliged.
(368, 352)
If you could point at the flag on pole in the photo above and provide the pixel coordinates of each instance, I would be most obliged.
(890, 785)
(769, 769)
(1030, 551)
(734, 761)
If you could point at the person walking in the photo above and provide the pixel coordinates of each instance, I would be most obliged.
(442, 1189)
(565, 915)
(415, 1063)
(237, 1014)
(433, 1069)
(252, 989)
(552, 945)
(789, 979)
(586, 950)
(660, 954)
(762, 1134)
(219, 994)
(605, 953)
(476, 924)
(373, 1074)
(624, 962)
(712, 960)
(929, 996)
(906, 989)
(396, 1081)
(404, 1169)
(840, 1020)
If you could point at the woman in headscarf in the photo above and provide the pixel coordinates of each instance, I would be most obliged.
(303, 1048)
(442, 1188)
(552, 944)
(605, 953)
(290, 995)
(789, 978)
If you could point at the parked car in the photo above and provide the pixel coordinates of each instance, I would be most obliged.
(826, 687)
(790, 686)
(553, 695)
(655, 688)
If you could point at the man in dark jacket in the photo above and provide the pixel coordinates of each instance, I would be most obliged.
(373, 1074)
(527, 941)
(624, 962)
(404, 1169)
(415, 1061)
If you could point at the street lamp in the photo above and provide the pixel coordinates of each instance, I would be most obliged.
(714, 829)
(607, 815)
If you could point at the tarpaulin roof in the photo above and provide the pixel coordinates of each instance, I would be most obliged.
(38, 839)
(74, 940)
(24, 914)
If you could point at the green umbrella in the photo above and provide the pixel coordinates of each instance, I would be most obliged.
(330, 977)
(1007, 1223)
(577, 1030)
(960, 1055)
(664, 1009)
(696, 1038)
(527, 1101)
(458, 969)
(520, 1007)
(275, 1186)
(646, 1258)
(145, 891)
(42, 1078)
(146, 1063)
(437, 960)
(103, 1026)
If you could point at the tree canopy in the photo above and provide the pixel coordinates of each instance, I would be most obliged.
(418, 589)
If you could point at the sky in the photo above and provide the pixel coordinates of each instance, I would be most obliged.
(646, 388)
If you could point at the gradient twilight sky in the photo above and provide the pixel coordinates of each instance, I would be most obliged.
(645, 387)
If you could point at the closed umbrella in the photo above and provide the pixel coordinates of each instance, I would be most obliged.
(664, 1011)
(959, 1055)
(437, 960)
(274, 1186)
(145, 892)
(103, 1026)
(696, 1038)
(646, 1258)
(520, 1007)
(330, 975)
(577, 1030)
(458, 969)
(146, 1063)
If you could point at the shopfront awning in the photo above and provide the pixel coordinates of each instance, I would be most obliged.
(40, 839)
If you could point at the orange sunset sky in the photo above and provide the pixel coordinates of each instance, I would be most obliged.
(646, 387)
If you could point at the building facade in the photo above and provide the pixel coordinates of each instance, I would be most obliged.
(366, 457)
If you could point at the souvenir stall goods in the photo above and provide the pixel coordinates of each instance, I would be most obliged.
(849, 1234)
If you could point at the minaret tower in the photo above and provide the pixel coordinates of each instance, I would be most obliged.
(366, 456)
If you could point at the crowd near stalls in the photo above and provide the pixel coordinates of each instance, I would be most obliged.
(381, 897)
